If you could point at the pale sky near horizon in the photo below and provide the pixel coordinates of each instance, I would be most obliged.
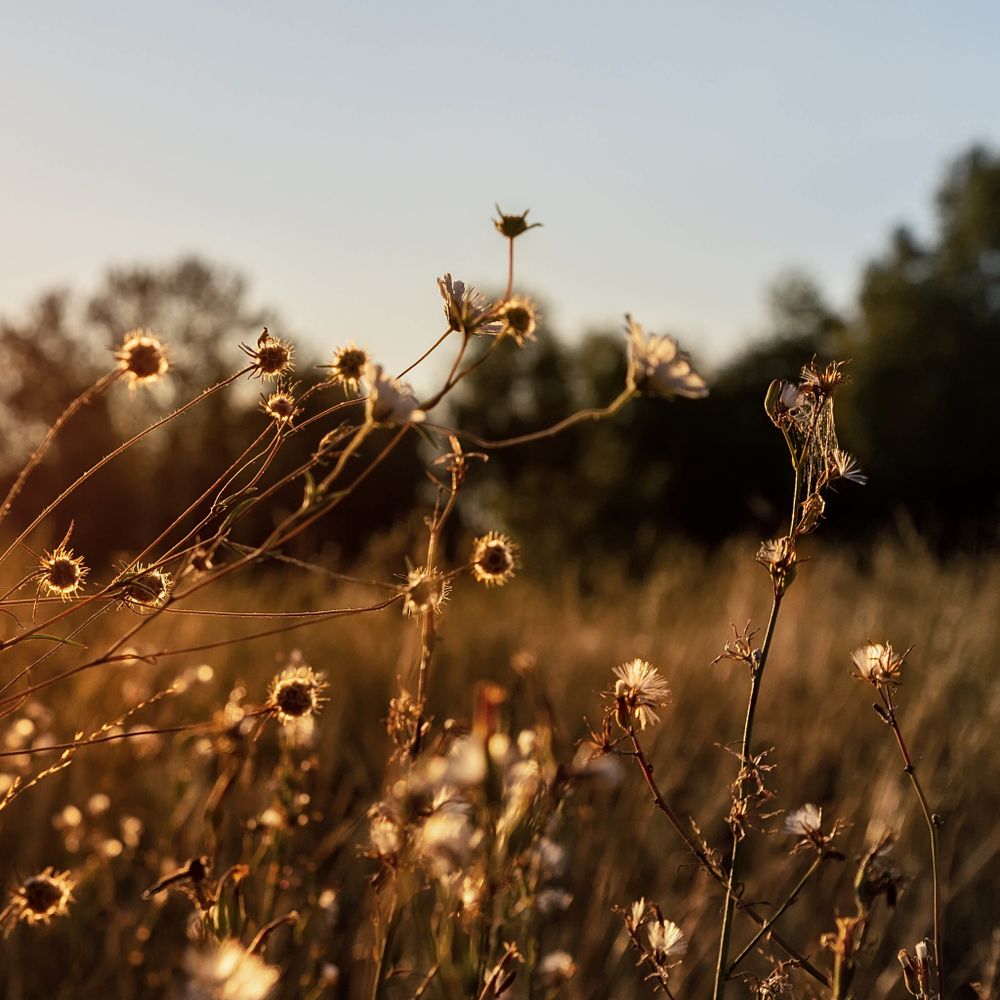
(342, 155)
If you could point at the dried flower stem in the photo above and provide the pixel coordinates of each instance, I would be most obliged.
(776, 916)
(735, 864)
(708, 864)
(932, 822)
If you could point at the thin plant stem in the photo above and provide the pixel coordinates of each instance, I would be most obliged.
(776, 916)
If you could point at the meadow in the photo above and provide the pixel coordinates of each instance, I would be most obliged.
(232, 768)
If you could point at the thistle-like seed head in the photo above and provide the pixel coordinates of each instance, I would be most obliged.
(272, 356)
(142, 358)
(143, 589)
(494, 559)
(348, 366)
(518, 320)
(296, 693)
(41, 897)
(61, 574)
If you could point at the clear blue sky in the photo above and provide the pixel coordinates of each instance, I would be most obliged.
(343, 155)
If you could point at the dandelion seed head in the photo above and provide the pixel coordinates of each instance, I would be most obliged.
(806, 821)
(666, 940)
(657, 365)
(296, 693)
(640, 690)
(494, 559)
(878, 663)
(142, 358)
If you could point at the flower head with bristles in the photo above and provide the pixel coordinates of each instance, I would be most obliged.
(806, 823)
(296, 693)
(518, 319)
(513, 226)
(60, 573)
(879, 664)
(467, 311)
(389, 401)
(348, 366)
(272, 358)
(142, 358)
(666, 940)
(425, 591)
(280, 407)
(40, 898)
(823, 381)
(143, 589)
(841, 465)
(494, 559)
(226, 970)
(657, 365)
(639, 690)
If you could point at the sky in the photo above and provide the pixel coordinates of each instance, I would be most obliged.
(343, 155)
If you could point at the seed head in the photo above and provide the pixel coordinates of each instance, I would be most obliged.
(389, 400)
(518, 319)
(296, 693)
(879, 664)
(425, 591)
(777, 556)
(142, 358)
(348, 366)
(666, 940)
(272, 357)
(638, 692)
(61, 574)
(513, 226)
(822, 381)
(143, 589)
(557, 968)
(841, 465)
(40, 898)
(494, 559)
(657, 366)
(467, 311)
(228, 971)
(280, 407)
(806, 823)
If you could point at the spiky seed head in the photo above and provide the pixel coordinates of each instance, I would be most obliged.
(41, 897)
(272, 356)
(280, 407)
(144, 589)
(61, 574)
(348, 366)
(513, 226)
(296, 693)
(494, 559)
(518, 320)
(425, 591)
(142, 358)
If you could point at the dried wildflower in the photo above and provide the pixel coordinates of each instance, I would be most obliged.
(385, 833)
(446, 842)
(916, 970)
(557, 968)
(348, 367)
(518, 319)
(142, 358)
(811, 514)
(878, 876)
(494, 559)
(740, 648)
(777, 556)
(781, 402)
(143, 589)
(806, 823)
(845, 943)
(841, 465)
(467, 311)
(638, 692)
(272, 357)
(228, 971)
(879, 664)
(389, 400)
(296, 693)
(823, 381)
(777, 984)
(666, 940)
(425, 591)
(60, 573)
(513, 226)
(39, 898)
(280, 407)
(657, 365)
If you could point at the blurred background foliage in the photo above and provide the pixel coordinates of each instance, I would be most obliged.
(923, 336)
